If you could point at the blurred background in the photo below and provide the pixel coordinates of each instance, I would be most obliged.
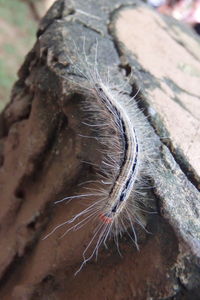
(19, 20)
(18, 24)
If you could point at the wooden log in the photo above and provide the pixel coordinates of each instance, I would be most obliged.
(41, 154)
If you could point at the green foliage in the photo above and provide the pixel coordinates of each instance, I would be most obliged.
(16, 13)
(6, 75)
(17, 36)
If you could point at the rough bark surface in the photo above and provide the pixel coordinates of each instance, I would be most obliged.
(41, 154)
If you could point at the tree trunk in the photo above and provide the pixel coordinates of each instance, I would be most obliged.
(42, 154)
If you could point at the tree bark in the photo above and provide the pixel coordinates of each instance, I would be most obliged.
(41, 154)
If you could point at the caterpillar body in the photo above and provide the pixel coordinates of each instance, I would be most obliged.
(127, 147)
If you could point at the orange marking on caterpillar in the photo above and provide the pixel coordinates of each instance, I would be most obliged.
(105, 219)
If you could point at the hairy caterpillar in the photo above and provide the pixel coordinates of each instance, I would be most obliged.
(126, 145)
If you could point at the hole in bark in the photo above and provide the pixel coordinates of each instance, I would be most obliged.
(1, 160)
(55, 59)
(19, 193)
(44, 53)
(31, 225)
(64, 122)
(49, 277)
(126, 68)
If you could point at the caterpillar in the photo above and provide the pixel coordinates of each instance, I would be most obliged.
(127, 147)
